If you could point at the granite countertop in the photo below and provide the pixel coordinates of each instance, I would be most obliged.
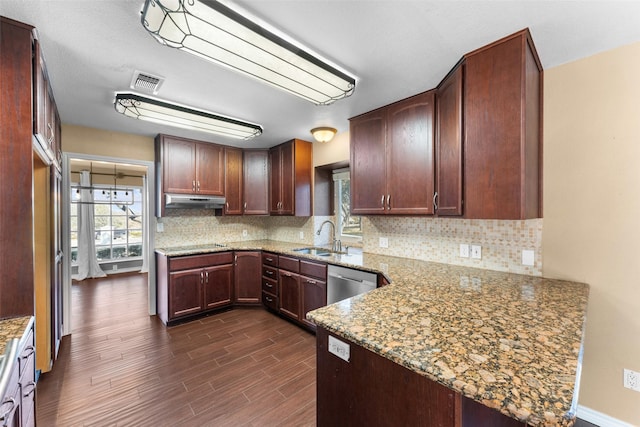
(10, 328)
(511, 342)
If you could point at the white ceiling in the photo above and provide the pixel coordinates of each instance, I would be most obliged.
(394, 48)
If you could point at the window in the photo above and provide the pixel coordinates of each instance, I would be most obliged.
(349, 226)
(118, 227)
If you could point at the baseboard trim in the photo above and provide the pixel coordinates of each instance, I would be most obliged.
(599, 419)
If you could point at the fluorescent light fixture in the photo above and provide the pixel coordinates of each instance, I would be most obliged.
(170, 114)
(220, 34)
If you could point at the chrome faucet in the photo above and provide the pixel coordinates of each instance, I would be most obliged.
(336, 245)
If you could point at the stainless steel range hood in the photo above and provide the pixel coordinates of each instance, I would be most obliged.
(189, 201)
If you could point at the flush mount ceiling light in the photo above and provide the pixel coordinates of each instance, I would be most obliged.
(323, 133)
(219, 34)
(166, 113)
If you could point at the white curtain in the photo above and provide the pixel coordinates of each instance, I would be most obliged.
(87, 261)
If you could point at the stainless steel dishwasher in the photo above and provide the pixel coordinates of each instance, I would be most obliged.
(343, 283)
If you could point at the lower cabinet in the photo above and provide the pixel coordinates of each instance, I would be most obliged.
(270, 290)
(247, 277)
(194, 284)
(303, 287)
(17, 405)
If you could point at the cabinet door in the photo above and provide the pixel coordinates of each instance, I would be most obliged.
(410, 161)
(209, 169)
(289, 299)
(185, 292)
(256, 182)
(217, 286)
(288, 178)
(314, 295)
(233, 181)
(449, 144)
(368, 179)
(275, 179)
(248, 274)
(178, 165)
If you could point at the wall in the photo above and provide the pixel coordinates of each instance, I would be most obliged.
(592, 210)
(334, 151)
(80, 139)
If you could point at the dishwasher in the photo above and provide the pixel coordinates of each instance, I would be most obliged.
(343, 283)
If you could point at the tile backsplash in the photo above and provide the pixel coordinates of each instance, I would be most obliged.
(430, 239)
(439, 239)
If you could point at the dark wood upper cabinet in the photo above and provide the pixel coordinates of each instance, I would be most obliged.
(502, 121)
(233, 181)
(187, 166)
(449, 143)
(290, 182)
(410, 161)
(392, 163)
(256, 182)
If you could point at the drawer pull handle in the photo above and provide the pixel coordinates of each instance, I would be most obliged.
(28, 351)
(286, 274)
(269, 272)
(268, 299)
(269, 259)
(268, 285)
(33, 388)
(5, 417)
(312, 282)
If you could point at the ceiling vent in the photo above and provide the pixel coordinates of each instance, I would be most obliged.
(146, 82)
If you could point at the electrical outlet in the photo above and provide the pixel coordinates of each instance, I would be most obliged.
(528, 257)
(114, 267)
(476, 251)
(302, 235)
(244, 233)
(632, 380)
(464, 251)
(384, 242)
(160, 227)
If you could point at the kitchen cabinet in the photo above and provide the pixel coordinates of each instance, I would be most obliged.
(392, 158)
(246, 182)
(186, 166)
(448, 197)
(313, 285)
(233, 181)
(290, 181)
(46, 120)
(16, 169)
(190, 285)
(256, 182)
(289, 287)
(270, 281)
(502, 130)
(17, 404)
(248, 265)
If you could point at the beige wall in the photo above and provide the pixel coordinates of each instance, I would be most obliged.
(592, 213)
(79, 139)
(334, 151)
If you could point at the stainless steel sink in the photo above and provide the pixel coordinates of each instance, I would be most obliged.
(313, 251)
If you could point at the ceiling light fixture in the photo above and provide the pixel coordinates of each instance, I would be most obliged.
(219, 34)
(170, 114)
(323, 133)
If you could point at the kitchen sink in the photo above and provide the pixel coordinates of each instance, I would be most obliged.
(313, 251)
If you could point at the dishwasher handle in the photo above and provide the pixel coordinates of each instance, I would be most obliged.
(340, 276)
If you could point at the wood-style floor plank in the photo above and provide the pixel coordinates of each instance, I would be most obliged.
(121, 367)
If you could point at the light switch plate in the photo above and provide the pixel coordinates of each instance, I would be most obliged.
(302, 235)
(528, 257)
(476, 251)
(339, 348)
(244, 233)
(464, 251)
(384, 242)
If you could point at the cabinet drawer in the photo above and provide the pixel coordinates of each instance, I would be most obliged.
(270, 272)
(270, 259)
(270, 286)
(198, 261)
(313, 269)
(288, 263)
(270, 301)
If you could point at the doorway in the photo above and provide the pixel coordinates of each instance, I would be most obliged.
(123, 194)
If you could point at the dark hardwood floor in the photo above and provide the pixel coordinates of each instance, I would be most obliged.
(121, 367)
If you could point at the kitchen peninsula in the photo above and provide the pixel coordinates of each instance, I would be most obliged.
(487, 342)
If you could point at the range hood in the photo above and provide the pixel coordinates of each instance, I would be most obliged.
(190, 201)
